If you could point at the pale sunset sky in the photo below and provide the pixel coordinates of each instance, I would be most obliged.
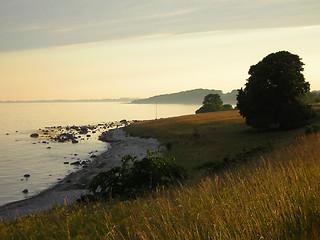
(93, 49)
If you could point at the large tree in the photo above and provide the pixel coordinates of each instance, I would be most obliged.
(272, 96)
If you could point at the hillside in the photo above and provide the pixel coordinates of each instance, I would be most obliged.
(195, 96)
(210, 137)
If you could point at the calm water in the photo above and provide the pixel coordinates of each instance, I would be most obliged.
(20, 154)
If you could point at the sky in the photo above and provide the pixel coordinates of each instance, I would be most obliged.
(93, 49)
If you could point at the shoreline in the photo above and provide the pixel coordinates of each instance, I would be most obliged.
(74, 185)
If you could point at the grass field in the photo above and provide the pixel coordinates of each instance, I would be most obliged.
(277, 196)
(209, 137)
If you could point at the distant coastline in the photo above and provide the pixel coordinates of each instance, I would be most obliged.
(79, 100)
(189, 97)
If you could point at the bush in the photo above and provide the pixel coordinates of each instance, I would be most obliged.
(227, 107)
(312, 129)
(211, 103)
(135, 177)
(207, 108)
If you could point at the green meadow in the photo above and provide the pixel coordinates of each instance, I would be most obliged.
(266, 188)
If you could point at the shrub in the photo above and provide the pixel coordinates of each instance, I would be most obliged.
(312, 129)
(135, 177)
(195, 134)
(211, 103)
(227, 107)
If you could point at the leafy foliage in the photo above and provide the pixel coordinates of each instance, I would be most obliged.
(213, 99)
(207, 108)
(273, 93)
(315, 128)
(135, 177)
(227, 107)
(212, 103)
(311, 97)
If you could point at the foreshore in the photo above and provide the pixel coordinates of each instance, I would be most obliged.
(73, 186)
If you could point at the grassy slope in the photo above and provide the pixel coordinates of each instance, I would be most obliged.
(277, 197)
(220, 135)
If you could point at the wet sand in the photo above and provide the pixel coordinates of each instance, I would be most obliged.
(75, 184)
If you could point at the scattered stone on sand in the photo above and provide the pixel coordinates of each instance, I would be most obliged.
(27, 175)
(25, 191)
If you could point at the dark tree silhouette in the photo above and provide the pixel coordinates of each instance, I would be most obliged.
(212, 103)
(272, 96)
(213, 99)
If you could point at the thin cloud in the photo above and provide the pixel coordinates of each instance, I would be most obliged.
(159, 35)
(28, 28)
(163, 35)
(125, 20)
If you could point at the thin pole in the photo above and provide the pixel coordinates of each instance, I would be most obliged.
(156, 109)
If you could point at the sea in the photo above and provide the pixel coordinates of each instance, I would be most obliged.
(35, 164)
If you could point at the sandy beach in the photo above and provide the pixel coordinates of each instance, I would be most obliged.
(68, 190)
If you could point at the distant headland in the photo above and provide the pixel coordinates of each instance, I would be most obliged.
(191, 97)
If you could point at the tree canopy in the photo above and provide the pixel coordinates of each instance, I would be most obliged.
(213, 99)
(272, 96)
(212, 103)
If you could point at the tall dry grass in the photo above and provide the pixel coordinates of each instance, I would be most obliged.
(277, 197)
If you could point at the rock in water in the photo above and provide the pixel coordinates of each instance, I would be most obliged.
(75, 163)
(34, 135)
(83, 130)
